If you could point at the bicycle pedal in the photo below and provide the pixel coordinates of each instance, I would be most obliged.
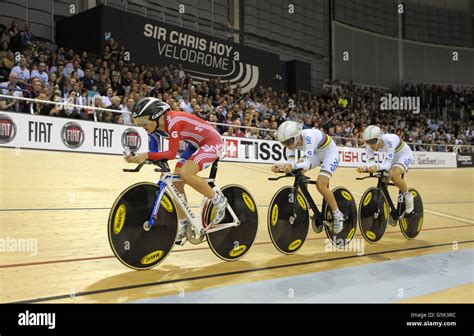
(180, 242)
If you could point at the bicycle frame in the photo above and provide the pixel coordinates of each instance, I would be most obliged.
(382, 186)
(300, 184)
(166, 183)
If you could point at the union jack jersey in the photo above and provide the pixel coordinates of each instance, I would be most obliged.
(182, 126)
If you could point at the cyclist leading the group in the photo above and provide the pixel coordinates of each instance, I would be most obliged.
(398, 157)
(204, 146)
(318, 150)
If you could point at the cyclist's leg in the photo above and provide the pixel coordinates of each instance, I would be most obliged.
(189, 170)
(330, 161)
(177, 170)
(200, 160)
(396, 172)
(402, 161)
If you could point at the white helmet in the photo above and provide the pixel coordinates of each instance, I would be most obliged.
(372, 132)
(288, 132)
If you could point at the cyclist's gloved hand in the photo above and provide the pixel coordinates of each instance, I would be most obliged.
(372, 169)
(275, 168)
(286, 168)
(361, 169)
(137, 158)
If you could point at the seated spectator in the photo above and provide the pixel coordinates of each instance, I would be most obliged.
(44, 108)
(88, 80)
(93, 92)
(22, 72)
(127, 109)
(7, 104)
(107, 117)
(185, 105)
(229, 132)
(108, 96)
(115, 104)
(73, 66)
(117, 87)
(252, 132)
(11, 84)
(118, 119)
(237, 130)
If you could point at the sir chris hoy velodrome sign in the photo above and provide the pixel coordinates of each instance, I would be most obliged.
(218, 58)
(158, 43)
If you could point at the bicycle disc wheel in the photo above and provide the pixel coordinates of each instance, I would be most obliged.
(411, 224)
(287, 235)
(134, 246)
(373, 215)
(233, 243)
(346, 204)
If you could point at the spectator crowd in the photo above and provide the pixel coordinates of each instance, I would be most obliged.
(108, 81)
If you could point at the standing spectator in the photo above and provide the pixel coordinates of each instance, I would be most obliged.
(14, 34)
(26, 36)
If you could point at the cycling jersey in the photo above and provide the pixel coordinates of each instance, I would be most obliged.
(318, 150)
(204, 142)
(397, 152)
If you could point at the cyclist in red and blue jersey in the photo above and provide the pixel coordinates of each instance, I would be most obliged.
(204, 146)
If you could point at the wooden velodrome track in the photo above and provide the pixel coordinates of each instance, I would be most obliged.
(63, 200)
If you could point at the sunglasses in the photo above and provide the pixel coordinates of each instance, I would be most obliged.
(372, 141)
(141, 121)
(290, 141)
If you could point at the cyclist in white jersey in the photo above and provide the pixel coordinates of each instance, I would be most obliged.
(319, 150)
(398, 157)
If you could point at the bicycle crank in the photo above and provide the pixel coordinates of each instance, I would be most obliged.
(192, 237)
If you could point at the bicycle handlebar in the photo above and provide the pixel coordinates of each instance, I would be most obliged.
(377, 174)
(280, 177)
(298, 173)
(163, 166)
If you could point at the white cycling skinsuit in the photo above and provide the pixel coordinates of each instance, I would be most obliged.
(397, 153)
(318, 150)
